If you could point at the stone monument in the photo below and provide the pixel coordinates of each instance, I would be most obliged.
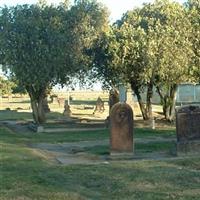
(121, 139)
(188, 130)
(99, 106)
(67, 112)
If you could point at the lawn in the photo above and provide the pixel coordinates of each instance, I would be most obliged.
(26, 175)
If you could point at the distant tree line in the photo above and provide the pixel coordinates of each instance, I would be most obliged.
(155, 46)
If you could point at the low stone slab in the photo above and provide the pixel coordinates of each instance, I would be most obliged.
(41, 129)
(36, 128)
(52, 130)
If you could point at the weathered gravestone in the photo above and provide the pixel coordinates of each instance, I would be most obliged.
(99, 106)
(121, 140)
(67, 112)
(188, 130)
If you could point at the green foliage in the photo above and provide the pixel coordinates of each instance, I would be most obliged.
(5, 86)
(193, 7)
(33, 45)
(148, 46)
(87, 20)
(44, 45)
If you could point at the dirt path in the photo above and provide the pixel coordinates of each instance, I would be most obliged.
(74, 152)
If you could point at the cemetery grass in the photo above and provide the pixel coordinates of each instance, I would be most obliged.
(25, 174)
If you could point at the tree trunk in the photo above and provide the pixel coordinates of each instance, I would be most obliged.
(41, 112)
(37, 98)
(34, 110)
(168, 101)
(162, 99)
(173, 93)
(149, 100)
(141, 104)
(166, 110)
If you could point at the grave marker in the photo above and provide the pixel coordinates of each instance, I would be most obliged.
(188, 130)
(121, 140)
(99, 106)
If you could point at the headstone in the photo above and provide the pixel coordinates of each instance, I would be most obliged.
(40, 129)
(99, 106)
(188, 130)
(121, 140)
(67, 112)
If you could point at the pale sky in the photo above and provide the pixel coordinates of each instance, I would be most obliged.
(116, 7)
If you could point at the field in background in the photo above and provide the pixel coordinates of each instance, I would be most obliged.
(82, 104)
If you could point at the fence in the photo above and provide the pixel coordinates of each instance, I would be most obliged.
(188, 93)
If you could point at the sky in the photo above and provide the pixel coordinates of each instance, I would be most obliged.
(116, 7)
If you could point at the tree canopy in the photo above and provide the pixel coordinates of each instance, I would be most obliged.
(155, 46)
(149, 46)
(44, 45)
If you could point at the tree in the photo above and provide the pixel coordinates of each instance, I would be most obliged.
(148, 47)
(5, 86)
(193, 9)
(44, 45)
(33, 49)
(119, 56)
(173, 53)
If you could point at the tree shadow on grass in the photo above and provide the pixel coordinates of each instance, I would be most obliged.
(26, 116)
(14, 115)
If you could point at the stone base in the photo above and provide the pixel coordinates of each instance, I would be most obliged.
(188, 148)
(36, 128)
